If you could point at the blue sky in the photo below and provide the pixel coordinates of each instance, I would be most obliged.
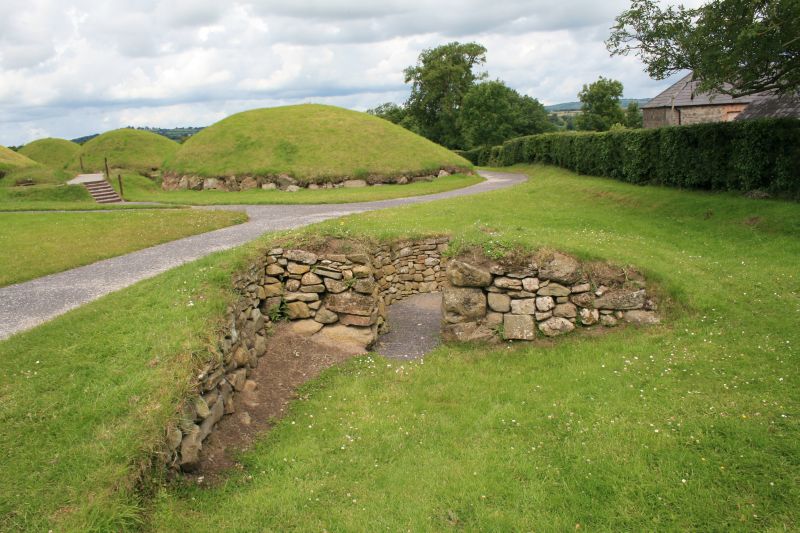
(72, 67)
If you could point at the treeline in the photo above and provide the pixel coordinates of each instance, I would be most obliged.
(454, 105)
(738, 156)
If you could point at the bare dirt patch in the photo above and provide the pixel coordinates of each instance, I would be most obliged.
(290, 361)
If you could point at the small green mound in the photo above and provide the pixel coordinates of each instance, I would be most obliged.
(309, 141)
(137, 150)
(54, 153)
(11, 160)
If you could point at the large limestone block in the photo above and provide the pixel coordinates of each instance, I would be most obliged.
(467, 332)
(351, 303)
(621, 299)
(500, 303)
(355, 338)
(463, 274)
(305, 327)
(526, 306)
(561, 268)
(641, 318)
(556, 326)
(300, 256)
(518, 327)
(463, 304)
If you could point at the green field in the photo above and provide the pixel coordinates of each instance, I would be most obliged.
(139, 188)
(137, 150)
(37, 244)
(690, 425)
(53, 153)
(11, 161)
(310, 142)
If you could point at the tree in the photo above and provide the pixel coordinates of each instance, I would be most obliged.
(439, 81)
(492, 113)
(389, 111)
(735, 47)
(600, 109)
(633, 116)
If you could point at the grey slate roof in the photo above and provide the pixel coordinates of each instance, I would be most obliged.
(786, 106)
(683, 94)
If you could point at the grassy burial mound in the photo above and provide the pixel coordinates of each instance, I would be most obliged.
(53, 153)
(307, 144)
(141, 151)
(11, 161)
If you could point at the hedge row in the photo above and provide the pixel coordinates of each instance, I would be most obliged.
(740, 156)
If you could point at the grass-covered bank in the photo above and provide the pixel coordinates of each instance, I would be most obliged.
(141, 189)
(690, 425)
(37, 244)
(86, 398)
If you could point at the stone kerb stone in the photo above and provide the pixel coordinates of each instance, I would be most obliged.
(285, 182)
(548, 297)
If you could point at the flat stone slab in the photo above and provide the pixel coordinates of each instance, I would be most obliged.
(414, 324)
(80, 179)
(28, 304)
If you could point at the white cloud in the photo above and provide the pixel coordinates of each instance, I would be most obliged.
(72, 68)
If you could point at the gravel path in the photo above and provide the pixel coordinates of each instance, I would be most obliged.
(26, 305)
(414, 326)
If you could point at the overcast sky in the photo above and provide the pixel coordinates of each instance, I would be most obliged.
(72, 67)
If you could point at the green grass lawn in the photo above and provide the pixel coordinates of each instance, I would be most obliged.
(691, 425)
(36, 244)
(139, 188)
(49, 197)
(308, 141)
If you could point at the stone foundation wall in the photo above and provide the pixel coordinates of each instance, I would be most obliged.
(341, 299)
(338, 299)
(486, 300)
(284, 182)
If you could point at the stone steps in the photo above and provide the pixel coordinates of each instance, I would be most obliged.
(102, 192)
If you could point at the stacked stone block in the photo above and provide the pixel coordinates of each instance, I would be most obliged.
(485, 301)
(284, 182)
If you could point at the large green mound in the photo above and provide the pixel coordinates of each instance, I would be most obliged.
(308, 141)
(125, 148)
(54, 153)
(11, 160)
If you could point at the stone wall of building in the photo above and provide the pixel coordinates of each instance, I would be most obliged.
(681, 116)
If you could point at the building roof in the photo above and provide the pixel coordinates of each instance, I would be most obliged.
(684, 94)
(786, 106)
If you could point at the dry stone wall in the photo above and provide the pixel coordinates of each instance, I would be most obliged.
(486, 300)
(340, 299)
(284, 182)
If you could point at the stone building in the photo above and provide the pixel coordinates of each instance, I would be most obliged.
(682, 104)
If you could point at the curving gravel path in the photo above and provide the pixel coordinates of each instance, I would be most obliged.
(26, 305)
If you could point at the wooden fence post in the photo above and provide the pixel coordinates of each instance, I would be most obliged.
(121, 191)
(82, 169)
(108, 174)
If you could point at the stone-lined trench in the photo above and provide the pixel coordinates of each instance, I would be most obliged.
(338, 296)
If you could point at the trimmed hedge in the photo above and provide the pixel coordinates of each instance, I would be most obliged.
(737, 156)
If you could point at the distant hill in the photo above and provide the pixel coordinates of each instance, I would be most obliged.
(576, 106)
(175, 134)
